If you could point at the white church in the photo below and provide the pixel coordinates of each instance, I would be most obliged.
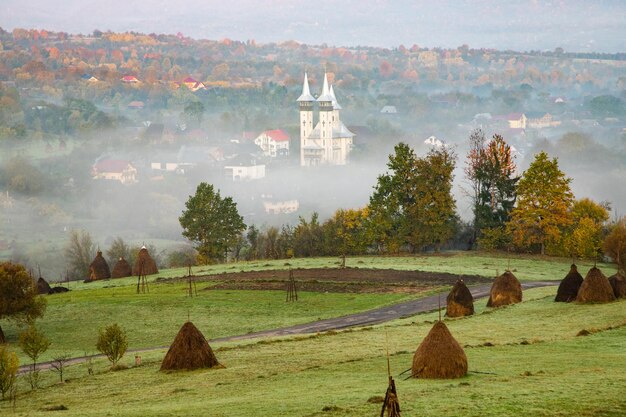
(330, 141)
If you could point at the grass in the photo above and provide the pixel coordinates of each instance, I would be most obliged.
(537, 366)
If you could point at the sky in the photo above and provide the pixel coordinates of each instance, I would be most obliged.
(522, 25)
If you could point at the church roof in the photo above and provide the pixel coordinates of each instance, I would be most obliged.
(306, 93)
(342, 131)
(325, 91)
(336, 105)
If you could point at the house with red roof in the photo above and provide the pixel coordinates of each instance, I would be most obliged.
(114, 170)
(193, 85)
(273, 143)
(130, 79)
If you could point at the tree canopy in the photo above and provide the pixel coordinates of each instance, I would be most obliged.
(212, 222)
(18, 295)
(544, 200)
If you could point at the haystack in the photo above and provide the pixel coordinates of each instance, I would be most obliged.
(439, 356)
(595, 288)
(505, 290)
(99, 268)
(460, 302)
(618, 282)
(190, 350)
(569, 286)
(42, 286)
(122, 269)
(144, 259)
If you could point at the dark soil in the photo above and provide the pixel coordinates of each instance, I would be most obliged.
(351, 280)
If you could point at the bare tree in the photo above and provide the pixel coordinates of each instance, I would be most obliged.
(79, 252)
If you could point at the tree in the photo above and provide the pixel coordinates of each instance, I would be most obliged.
(307, 237)
(491, 171)
(389, 221)
(9, 365)
(80, 251)
(615, 243)
(18, 296)
(58, 364)
(119, 249)
(194, 112)
(345, 233)
(33, 343)
(584, 237)
(112, 343)
(212, 222)
(544, 199)
(433, 214)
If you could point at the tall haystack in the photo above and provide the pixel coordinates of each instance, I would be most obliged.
(595, 288)
(569, 286)
(618, 282)
(122, 269)
(42, 286)
(99, 268)
(460, 302)
(505, 290)
(439, 356)
(190, 350)
(144, 260)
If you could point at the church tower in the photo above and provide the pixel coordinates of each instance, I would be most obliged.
(305, 101)
(325, 102)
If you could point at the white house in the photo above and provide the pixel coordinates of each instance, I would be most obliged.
(273, 142)
(115, 170)
(244, 168)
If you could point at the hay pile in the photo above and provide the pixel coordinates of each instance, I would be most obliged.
(618, 282)
(505, 290)
(58, 290)
(460, 302)
(42, 286)
(190, 350)
(595, 288)
(149, 266)
(569, 286)
(439, 356)
(121, 269)
(99, 268)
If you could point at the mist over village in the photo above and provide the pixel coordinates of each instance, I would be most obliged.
(261, 176)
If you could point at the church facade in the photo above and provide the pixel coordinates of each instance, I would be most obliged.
(327, 142)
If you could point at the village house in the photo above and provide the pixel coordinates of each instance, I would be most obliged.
(273, 206)
(115, 170)
(130, 79)
(193, 85)
(273, 143)
(541, 120)
(244, 168)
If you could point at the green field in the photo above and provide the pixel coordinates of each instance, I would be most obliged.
(537, 365)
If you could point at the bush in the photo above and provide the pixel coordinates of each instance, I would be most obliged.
(8, 370)
(112, 342)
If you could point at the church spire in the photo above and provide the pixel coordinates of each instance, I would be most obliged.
(336, 105)
(306, 93)
(325, 91)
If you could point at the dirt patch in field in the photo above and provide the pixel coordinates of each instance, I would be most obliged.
(350, 280)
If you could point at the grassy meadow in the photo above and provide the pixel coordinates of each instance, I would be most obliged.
(524, 359)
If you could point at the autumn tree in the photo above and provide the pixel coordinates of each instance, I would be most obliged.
(345, 234)
(18, 296)
(308, 237)
(544, 200)
(583, 239)
(33, 343)
(491, 170)
(9, 364)
(212, 222)
(112, 342)
(615, 243)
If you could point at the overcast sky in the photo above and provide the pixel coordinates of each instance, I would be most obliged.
(575, 25)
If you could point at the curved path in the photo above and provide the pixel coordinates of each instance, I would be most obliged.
(366, 318)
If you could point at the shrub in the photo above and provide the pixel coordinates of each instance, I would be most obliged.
(112, 342)
(8, 370)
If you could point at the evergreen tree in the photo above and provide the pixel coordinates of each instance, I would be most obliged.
(544, 199)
